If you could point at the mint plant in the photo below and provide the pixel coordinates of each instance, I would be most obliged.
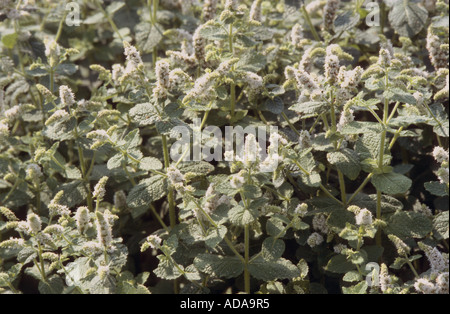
(224, 147)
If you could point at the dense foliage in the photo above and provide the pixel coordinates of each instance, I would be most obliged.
(352, 199)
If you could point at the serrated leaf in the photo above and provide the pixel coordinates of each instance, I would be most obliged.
(310, 108)
(213, 32)
(220, 266)
(147, 191)
(436, 188)
(198, 167)
(352, 276)
(339, 264)
(166, 269)
(360, 288)
(115, 161)
(361, 127)
(148, 36)
(346, 21)
(407, 18)
(409, 225)
(391, 183)
(440, 225)
(396, 94)
(251, 61)
(389, 204)
(74, 193)
(53, 285)
(240, 216)
(215, 236)
(150, 163)
(10, 40)
(61, 130)
(272, 270)
(272, 248)
(275, 105)
(114, 7)
(347, 161)
(144, 114)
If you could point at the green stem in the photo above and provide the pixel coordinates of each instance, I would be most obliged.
(310, 24)
(155, 213)
(360, 188)
(342, 186)
(246, 258)
(378, 216)
(285, 117)
(170, 196)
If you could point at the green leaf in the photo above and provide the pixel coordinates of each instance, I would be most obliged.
(147, 191)
(150, 163)
(409, 225)
(310, 108)
(347, 161)
(265, 270)
(346, 21)
(53, 285)
(61, 130)
(9, 40)
(144, 114)
(396, 94)
(114, 7)
(148, 36)
(215, 236)
(272, 248)
(198, 168)
(275, 227)
(436, 188)
(389, 204)
(115, 161)
(360, 288)
(391, 183)
(440, 225)
(361, 127)
(166, 269)
(94, 19)
(74, 193)
(213, 32)
(352, 276)
(240, 216)
(220, 266)
(275, 105)
(408, 18)
(339, 264)
(251, 61)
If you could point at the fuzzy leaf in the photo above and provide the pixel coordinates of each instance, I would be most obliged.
(220, 266)
(440, 226)
(436, 188)
(144, 114)
(147, 191)
(241, 216)
(339, 264)
(409, 225)
(311, 108)
(215, 236)
(148, 36)
(272, 248)
(347, 161)
(391, 183)
(272, 270)
(166, 269)
(408, 18)
(150, 163)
